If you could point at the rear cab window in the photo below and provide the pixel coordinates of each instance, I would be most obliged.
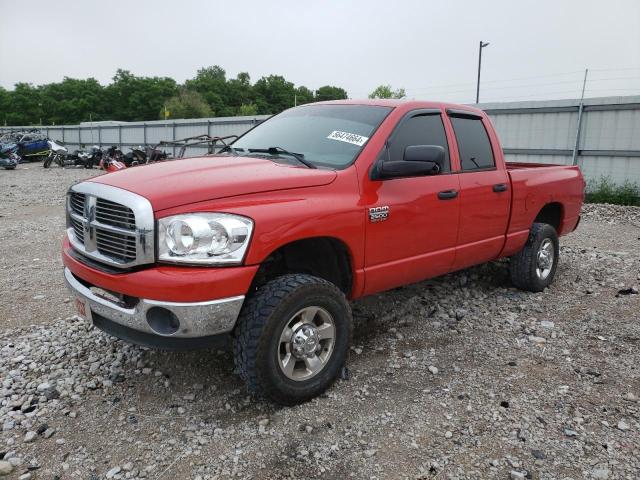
(473, 143)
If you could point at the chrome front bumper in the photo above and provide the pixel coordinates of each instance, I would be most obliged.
(199, 319)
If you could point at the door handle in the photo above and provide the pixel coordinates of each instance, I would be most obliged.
(500, 187)
(447, 194)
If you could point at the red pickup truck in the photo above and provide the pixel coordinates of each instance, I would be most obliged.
(264, 243)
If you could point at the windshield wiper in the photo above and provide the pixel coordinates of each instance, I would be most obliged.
(281, 151)
(230, 149)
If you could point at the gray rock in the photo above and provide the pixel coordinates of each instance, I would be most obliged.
(600, 473)
(113, 472)
(30, 437)
(5, 468)
(622, 425)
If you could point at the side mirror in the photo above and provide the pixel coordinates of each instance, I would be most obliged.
(425, 153)
(406, 168)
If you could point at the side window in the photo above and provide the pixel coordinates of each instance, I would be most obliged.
(473, 144)
(419, 130)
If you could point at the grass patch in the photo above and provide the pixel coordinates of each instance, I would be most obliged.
(604, 190)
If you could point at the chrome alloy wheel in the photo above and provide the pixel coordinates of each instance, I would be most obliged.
(306, 343)
(545, 258)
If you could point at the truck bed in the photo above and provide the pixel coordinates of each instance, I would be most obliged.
(535, 185)
(528, 165)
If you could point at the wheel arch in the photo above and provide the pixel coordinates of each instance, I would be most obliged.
(326, 257)
(552, 214)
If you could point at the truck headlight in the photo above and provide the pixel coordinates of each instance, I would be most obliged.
(204, 238)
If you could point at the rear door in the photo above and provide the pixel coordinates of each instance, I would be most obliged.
(412, 222)
(485, 199)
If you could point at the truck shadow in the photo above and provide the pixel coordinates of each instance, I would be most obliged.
(210, 372)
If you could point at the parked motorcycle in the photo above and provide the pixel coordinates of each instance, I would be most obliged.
(113, 160)
(57, 155)
(137, 156)
(84, 158)
(9, 158)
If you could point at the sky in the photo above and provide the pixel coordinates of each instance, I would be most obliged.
(539, 49)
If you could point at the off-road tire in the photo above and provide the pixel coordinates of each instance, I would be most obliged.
(523, 264)
(260, 324)
(47, 162)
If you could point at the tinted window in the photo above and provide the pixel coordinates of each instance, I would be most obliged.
(327, 135)
(419, 130)
(473, 143)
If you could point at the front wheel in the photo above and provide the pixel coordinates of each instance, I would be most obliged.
(534, 267)
(292, 338)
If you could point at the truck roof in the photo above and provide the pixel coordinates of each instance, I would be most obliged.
(406, 104)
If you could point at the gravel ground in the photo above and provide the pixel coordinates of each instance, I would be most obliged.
(458, 377)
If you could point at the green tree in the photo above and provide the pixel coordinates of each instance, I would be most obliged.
(211, 83)
(134, 98)
(248, 109)
(73, 101)
(304, 95)
(25, 105)
(385, 91)
(273, 94)
(239, 93)
(187, 104)
(5, 101)
(329, 92)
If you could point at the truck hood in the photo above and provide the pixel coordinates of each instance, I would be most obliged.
(181, 182)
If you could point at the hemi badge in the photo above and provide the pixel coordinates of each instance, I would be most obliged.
(378, 214)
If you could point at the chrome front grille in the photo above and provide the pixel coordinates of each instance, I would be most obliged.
(122, 247)
(76, 203)
(111, 225)
(111, 213)
(78, 229)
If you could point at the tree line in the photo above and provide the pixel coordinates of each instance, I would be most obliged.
(132, 98)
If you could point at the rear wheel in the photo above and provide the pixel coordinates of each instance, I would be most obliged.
(534, 267)
(292, 338)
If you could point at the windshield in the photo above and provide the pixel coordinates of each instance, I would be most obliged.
(325, 135)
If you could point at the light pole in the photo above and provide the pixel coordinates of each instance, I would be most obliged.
(482, 45)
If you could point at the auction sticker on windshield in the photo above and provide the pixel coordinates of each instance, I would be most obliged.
(347, 137)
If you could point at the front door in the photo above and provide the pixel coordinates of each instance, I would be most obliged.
(412, 223)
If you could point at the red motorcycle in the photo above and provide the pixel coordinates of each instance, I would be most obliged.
(113, 160)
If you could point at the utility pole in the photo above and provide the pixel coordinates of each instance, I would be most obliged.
(482, 45)
(576, 145)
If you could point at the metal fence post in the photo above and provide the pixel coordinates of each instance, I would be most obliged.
(120, 137)
(173, 136)
(100, 135)
(144, 134)
(576, 146)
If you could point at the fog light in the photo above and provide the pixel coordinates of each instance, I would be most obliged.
(162, 321)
